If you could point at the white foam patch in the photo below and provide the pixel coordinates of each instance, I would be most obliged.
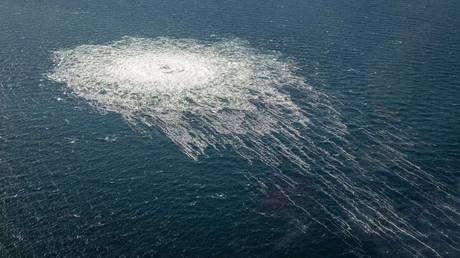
(228, 95)
(175, 83)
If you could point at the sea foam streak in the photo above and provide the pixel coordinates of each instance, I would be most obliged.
(228, 95)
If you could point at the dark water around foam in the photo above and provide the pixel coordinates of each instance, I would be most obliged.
(74, 182)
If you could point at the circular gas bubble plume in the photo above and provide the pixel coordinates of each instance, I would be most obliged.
(227, 94)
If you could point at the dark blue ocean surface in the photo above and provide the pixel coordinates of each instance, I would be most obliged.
(365, 163)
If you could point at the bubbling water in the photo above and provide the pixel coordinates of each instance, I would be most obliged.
(228, 95)
(164, 71)
(192, 91)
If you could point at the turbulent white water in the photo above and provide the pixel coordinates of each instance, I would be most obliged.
(226, 94)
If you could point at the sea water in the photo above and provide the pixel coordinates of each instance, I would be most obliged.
(230, 129)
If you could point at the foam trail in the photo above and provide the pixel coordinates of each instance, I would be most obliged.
(226, 94)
